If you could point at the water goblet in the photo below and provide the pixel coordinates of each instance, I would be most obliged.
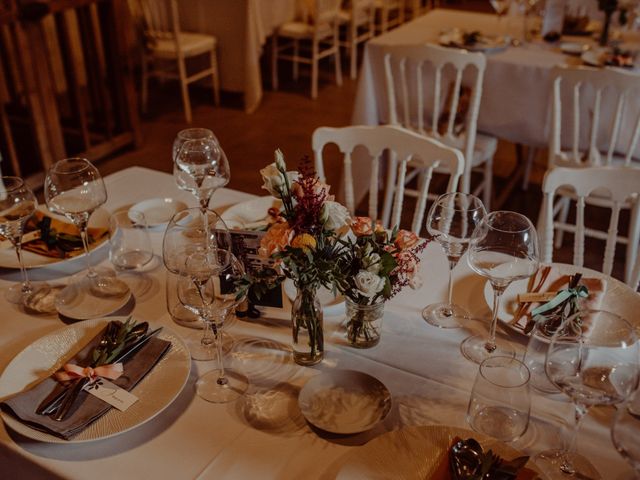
(500, 401)
(503, 248)
(451, 221)
(501, 7)
(594, 359)
(208, 286)
(625, 431)
(74, 188)
(187, 232)
(17, 205)
(129, 241)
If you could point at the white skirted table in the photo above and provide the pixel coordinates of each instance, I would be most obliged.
(264, 435)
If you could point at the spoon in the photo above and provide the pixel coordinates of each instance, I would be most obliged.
(465, 459)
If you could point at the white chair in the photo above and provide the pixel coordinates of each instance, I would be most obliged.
(389, 14)
(167, 45)
(622, 185)
(601, 113)
(358, 19)
(321, 31)
(415, 78)
(406, 145)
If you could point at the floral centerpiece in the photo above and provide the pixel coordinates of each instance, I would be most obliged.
(374, 266)
(303, 240)
(609, 7)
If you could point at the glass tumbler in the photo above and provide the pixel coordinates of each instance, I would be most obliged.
(129, 241)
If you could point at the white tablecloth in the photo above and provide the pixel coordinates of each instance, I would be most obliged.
(264, 435)
(517, 83)
(242, 27)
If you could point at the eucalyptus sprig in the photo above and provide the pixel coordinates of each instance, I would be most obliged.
(115, 339)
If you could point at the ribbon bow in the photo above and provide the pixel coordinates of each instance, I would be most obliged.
(71, 371)
(563, 295)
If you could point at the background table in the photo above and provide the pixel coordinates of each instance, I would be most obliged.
(242, 28)
(264, 435)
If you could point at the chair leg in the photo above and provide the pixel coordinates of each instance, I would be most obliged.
(633, 241)
(185, 89)
(274, 61)
(531, 156)
(336, 46)
(390, 187)
(353, 46)
(296, 51)
(562, 218)
(215, 78)
(145, 80)
(487, 190)
(314, 69)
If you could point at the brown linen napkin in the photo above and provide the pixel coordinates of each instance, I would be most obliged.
(87, 408)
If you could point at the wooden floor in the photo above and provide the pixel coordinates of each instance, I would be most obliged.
(286, 120)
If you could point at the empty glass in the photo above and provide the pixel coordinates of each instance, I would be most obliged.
(625, 431)
(503, 248)
(451, 221)
(129, 241)
(500, 401)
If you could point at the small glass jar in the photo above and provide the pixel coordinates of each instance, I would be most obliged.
(364, 324)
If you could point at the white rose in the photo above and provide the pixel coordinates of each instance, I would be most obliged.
(335, 216)
(368, 284)
(372, 263)
(273, 179)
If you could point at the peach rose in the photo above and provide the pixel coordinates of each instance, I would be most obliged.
(361, 226)
(406, 239)
(277, 238)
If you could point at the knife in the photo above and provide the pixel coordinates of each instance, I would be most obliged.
(55, 403)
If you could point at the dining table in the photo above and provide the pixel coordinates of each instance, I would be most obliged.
(517, 89)
(241, 28)
(264, 434)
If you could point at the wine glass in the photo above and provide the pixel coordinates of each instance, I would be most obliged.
(503, 248)
(625, 431)
(451, 221)
(594, 359)
(17, 205)
(501, 7)
(500, 401)
(187, 232)
(74, 188)
(201, 167)
(208, 287)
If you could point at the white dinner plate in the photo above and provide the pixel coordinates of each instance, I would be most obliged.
(344, 401)
(46, 355)
(99, 219)
(331, 304)
(617, 298)
(75, 303)
(251, 214)
(158, 211)
(414, 453)
(574, 48)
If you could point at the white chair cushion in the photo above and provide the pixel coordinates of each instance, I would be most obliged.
(190, 43)
(485, 148)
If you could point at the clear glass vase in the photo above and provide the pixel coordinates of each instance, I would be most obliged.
(306, 323)
(364, 324)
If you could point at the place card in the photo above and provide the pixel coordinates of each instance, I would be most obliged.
(111, 393)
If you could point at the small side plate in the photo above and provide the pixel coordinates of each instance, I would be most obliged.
(344, 401)
(574, 48)
(158, 211)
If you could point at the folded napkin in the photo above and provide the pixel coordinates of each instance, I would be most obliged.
(557, 281)
(86, 408)
(65, 243)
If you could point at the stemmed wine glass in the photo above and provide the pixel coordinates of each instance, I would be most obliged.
(451, 221)
(625, 431)
(501, 7)
(190, 231)
(504, 248)
(17, 205)
(594, 359)
(200, 165)
(208, 286)
(74, 188)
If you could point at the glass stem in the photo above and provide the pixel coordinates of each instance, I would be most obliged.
(222, 379)
(452, 265)
(82, 226)
(17, 245)
(567, 465)
(490, 346)
(204, 202)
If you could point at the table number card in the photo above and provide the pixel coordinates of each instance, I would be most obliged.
(111, 393)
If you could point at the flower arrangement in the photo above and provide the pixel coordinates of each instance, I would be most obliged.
(374, 265)
(304, 242)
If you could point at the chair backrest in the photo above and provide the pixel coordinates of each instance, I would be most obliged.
(600, 107)
(405, 145)
(161, 20)
(363, 12)
(417, 98)
(623, 184)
